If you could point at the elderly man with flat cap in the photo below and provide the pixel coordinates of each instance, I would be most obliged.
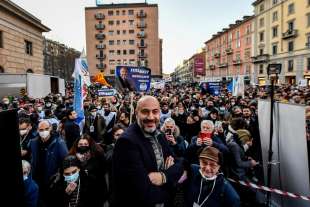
(144, 169)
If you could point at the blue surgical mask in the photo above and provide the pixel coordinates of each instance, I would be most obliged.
(72, 178)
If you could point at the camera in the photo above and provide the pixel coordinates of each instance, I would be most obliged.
(169, 131)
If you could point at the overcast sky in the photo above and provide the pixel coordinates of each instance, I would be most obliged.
(184, 25)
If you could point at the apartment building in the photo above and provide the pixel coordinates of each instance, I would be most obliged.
(282, 35)
(229, 52)
(123, 34)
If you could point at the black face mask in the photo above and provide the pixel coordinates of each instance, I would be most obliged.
(83, 149)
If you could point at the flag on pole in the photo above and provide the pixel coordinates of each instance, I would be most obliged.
(81, 82)
(238, 86)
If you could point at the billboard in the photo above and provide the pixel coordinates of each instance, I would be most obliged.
(106, 92)
(199, 65)
(213, 88)
(128, 78)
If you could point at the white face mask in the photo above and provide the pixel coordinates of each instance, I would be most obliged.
(40, 108)
(207, 178)
(246, 147)
(93, 113)
(6, 102)
(25, 177)
(23, 132)
(44, 134)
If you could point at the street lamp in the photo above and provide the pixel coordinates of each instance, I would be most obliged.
(273, 70)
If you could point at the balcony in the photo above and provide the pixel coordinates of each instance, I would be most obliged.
(99, 26)
(99, 16)
(101, 66)
(229, 51)
(100, 46)
(101, 57)
(141, 14)
(237, 62)
(223, 65)
(290, 34)
(141, 45)
(141, 35)
(217, 55)
(212, 67)
(142, 55)
(100, 36)
(260, 59)
(141, 25)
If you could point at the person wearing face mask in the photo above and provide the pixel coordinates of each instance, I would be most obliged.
(180, 117)
(31, 189)
(164, 112)
(26, 134)
(91, 159)
(123, 120)
(206, 186)
(47, 152)
(5, 103)
(73, 187)
(95, 124)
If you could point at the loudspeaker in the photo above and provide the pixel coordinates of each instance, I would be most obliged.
(11, 166)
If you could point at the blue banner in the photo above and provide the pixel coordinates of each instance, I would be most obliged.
(213, 88)
(129, 78)
(106, 92)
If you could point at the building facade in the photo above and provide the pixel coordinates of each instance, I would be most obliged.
(229, 52)
(183, 72)
(282, 35)
(59, 60)
(123, 34)
(21, 40)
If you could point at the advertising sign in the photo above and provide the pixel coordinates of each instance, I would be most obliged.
(213, 88)
(129, 78)
(199, 65)
(106, 92)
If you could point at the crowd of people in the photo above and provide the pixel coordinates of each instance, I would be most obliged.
(179, 149)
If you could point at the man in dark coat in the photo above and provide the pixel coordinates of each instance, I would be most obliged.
(122, 82)
(95, 125)
(144, 170)
(72, 129)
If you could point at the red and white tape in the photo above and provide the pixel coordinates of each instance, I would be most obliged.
(264, 188)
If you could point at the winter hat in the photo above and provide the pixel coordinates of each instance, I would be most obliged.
(244, 135)
(211, 153)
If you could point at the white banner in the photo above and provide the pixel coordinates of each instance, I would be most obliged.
(289, 149)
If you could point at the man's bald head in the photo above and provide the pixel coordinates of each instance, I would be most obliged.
(148, 113)
(147, 100)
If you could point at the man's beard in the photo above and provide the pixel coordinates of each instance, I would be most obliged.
(145, 129)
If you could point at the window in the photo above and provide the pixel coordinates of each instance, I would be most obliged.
(111, 22)
(112, 71)
(117, 22)
(291, 46)
(261, 36)
(261, 22)
(308, 63)
(308, 41)
(247, 54)
(248, 40)
(238, 43)
(124, 52)
(111, 62)
(111, 42)
(118, 32)
(1, 39)
(274, 49)
(262, 7)
(275, 31)
(111, 52)
(111, 32)
(124, 21)
(132, 62)
(124, 31)
(130, 22)
(308, 20)
(274, 2)
(29, 70)
(124, 12)
(1, 69)
(290, 65)
(119, 62)
(131, 52)
(261, 69)
(117, 12)
(131, 31)
(28, 47)
(248, 29)
(130, 12)
(125, 62)
(124, 42)
(118, 52)
(131, 42)
(275, 16)
(291, 26)
(308, 2)
(101, 53)
(261, 51)
(291, 8)
(118, 42)
(110, 12)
